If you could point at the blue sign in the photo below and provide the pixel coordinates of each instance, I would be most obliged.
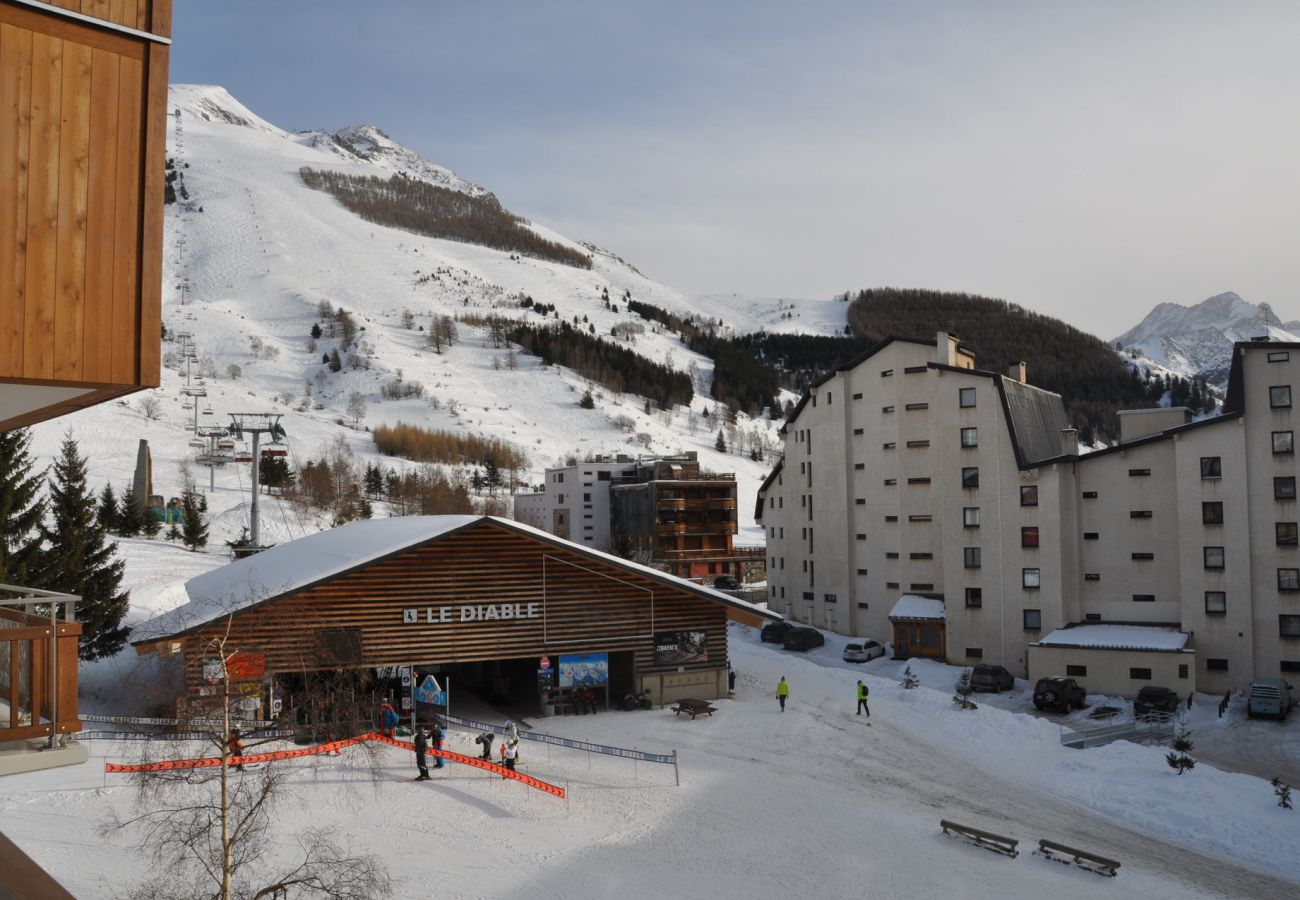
(430, 692)
(584, 670)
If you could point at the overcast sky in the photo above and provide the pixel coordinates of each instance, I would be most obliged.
(1086, 160)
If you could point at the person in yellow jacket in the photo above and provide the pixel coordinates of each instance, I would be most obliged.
(782, 691)
(862, 699)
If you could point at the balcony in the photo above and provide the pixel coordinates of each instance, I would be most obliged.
(683, 503)
(671, 528)
(38, 680)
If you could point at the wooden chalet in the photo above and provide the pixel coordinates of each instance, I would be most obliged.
(83, 109)
(485, 598)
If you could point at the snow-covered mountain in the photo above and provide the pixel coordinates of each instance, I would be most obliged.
(250, 256)
(1197, 340)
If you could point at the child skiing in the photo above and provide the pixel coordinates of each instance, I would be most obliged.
(235, 747)
(439, 735)
(782, 692)
(387, 719)
(862, 699)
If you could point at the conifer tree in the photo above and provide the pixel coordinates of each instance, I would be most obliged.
(1178, 760)
(129, 520)
(587, 401)
(194, 531)
(107, 512)
(173, 532)
(21, 509)
(78, 561)
(909, 679)
(151, 524)
(963, 690)
(721, 443)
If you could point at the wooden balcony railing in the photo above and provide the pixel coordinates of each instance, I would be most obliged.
(38, 664)
(684, 503)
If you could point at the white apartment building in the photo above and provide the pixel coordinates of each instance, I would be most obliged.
(911, 472)
(574, 502)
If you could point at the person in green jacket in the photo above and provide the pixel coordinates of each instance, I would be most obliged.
(782, 691)
(862, 699)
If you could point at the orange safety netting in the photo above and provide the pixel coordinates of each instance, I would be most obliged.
(208, 762)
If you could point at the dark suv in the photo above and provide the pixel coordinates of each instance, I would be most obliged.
(991, 678)
(1154, 700)
(803, 638)
(774, 632)
(1058, 693)
(726, 583)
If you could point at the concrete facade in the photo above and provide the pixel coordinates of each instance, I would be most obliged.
(912, 471)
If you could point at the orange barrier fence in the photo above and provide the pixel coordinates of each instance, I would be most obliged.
(208, 762)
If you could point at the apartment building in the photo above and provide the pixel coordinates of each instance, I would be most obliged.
(1169, 558)
(574, 502)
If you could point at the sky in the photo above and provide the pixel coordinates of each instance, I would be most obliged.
(1083, 160)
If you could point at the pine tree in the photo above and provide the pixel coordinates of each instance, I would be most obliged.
(961, 696)
(721, 443)
(129, 521)
(587, 401)
(315, 330)
(909, 679)
(374, 481)
(335, 364)
(78, 561)
(1178, 759)
(491, 476)
(1282, 791)
(173, 532)
(107, 512)
(21, 509)
(194, 532)
(151, 524)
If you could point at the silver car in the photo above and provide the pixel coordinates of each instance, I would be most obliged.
(863, 652)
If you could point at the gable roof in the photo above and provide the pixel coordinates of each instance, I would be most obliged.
(327, 555)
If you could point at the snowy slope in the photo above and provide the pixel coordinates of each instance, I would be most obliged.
(252, 253)
(1197, 340)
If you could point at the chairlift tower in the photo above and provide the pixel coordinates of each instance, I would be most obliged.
(255, 424)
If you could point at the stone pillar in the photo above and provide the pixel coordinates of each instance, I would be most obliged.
(143, 483)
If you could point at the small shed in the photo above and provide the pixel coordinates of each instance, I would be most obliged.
(918, 624)
(1118, 660)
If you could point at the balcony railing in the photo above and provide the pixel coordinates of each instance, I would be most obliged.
(38, 664)
(668, 528)
(684, 503)
(680, 476)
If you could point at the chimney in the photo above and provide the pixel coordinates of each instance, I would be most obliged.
(946, 348)
(1016, 371)
(1069, 438)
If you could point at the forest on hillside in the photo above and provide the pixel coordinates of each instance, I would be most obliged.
(438, 212)
(1091, 378)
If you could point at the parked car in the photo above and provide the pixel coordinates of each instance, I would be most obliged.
(1154, 700)
(774, 632)
(863, 652)
(1269, 697)
(803, 638)
(726, 583)
(991, 678)
(1060, 693)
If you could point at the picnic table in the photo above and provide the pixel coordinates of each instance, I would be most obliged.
(693, 707)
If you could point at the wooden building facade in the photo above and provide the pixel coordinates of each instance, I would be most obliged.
(476, 590)
(83, 103)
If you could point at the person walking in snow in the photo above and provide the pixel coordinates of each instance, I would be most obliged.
(422, 747)
(439, 735)
(235, 747)
(782, 692)
(387, 719)
(862, 699)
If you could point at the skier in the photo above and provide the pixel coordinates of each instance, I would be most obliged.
(485, 739)
(387, 719)
(439, 735)
(235, 746)
(512, 731)
(862, 699)
(421, 746)
(509, 753)
(782, 692)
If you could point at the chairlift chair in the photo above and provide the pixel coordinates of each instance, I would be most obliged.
(243, 455)
(274, 450)
(198, 444)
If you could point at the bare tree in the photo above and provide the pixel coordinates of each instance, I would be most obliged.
(356, 406)
(151, 406)
(234, 371)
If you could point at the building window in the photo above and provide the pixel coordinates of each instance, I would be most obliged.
(966, 397)
(1092, 576)
(892, 554)
(890, 481)
(914, 370)
(891, 585)
(1140, 556)
(888, 445)
(1138, 473)
(1076, 671)
(885, 373)
(1139, 514)
(1216, 665)
(1216, 603)
(1279, 356)
(1291, 665)
(921, 518)
(970, 477)
(1213, 557)
(1089, 495)
(1090, 536)
(1283, 442)
(917, 407)
(860, 501)
(1284, 488)
(971, 557)
(891, 518)
(861, 537)
(857, 396)
(1279, 396)
(921, 586)
(1029, 495)
(1212, 513)
(970, 517)
(1288, 579)
(830, 598)
(918, 481)
(1092, 617)
(862, 571)
(586, 498)
(920, 556)
(916, 445)
(857, 431)
(974, 598)
(862, 606)
(1144, 598)
(1139, 674)
(1182, 670)
(1211, 467)
(858, 467)
(1288, 626)
(886, 409)
(970, 437)
(1029, 536)
(1033, 620)
(828, 398)
(1030, 579)
(974, 652)
(1287, 534)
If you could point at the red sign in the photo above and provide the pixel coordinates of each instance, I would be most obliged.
(246, 667)
(545, 663)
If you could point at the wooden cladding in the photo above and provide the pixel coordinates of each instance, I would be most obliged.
(82, 132)
(154, 16)
(484, 593)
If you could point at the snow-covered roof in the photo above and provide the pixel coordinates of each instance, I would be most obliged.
(318, 557)
(910, 606)
(1117, 637)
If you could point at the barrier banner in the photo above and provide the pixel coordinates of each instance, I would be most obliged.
(210, 762)
(666, 758)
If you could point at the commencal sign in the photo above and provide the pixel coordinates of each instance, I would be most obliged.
(435, 615)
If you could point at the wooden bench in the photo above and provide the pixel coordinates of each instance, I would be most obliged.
(694, 707)
(1081, 858)
(987, 839)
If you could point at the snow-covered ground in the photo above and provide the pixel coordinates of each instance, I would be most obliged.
(810, 802)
